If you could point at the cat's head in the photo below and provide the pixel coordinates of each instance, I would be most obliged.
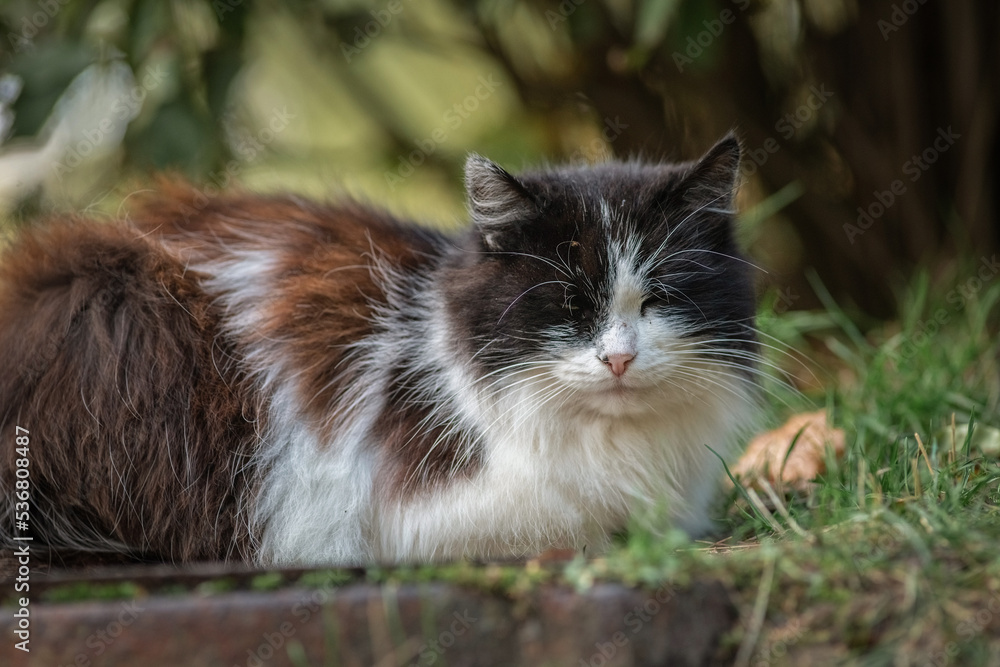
(605, 285)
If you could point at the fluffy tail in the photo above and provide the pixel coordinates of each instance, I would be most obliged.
(120, 398)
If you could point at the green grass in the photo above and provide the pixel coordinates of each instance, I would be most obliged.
(893, 554)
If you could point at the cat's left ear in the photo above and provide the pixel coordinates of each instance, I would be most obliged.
(712, 182)
(498, 202)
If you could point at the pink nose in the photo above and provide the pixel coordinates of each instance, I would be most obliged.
(618, 362)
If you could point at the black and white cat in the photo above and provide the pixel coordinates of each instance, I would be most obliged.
(269, 379)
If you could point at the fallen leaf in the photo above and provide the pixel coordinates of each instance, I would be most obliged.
(765, 456)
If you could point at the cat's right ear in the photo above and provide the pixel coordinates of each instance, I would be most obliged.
(498, 202)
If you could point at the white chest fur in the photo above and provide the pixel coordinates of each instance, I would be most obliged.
(562, 478)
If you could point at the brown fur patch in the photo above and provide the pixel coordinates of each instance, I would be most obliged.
(141, 426)
(419, 452)
(324, 287)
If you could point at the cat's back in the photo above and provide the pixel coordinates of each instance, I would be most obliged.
(127, 352)
(202, 227)
(115, 365)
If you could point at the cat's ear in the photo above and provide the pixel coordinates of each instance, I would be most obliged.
(498, 202)
(713, 180)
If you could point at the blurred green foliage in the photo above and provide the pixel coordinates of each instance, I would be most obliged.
(379, 94)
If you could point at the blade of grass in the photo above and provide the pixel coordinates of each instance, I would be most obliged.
(742, 490)
(927, 459)
(783, 510)
(836, 313)
(756, 622)
(795, 441)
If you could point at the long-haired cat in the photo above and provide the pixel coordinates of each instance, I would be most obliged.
(269, 379)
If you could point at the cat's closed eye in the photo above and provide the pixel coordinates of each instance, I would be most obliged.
(580, 308)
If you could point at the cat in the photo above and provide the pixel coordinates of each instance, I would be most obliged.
(276, 381)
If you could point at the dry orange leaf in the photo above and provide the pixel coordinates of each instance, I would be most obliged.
(765, 455)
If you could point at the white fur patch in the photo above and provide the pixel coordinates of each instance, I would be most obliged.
(314, 504)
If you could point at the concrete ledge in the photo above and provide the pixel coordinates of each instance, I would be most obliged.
(365, 624)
